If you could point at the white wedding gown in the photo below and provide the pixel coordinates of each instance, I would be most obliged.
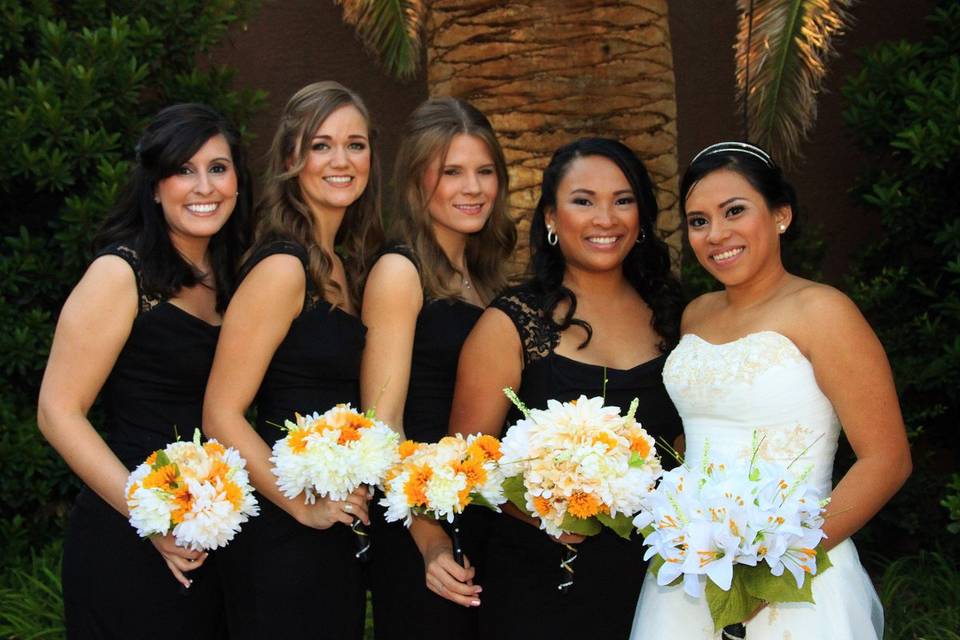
(723, 393)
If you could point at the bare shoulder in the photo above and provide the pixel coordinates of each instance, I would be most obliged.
(393, 274)
(109, 285)
(818, 316)
(700, 309)
(818, 303)
(277, 271)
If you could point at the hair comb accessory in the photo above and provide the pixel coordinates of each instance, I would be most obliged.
(737, 147)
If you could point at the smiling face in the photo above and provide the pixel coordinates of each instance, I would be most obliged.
(464, 189)
(337, 165)
(732, 231)
(597, 218)
(199, 197)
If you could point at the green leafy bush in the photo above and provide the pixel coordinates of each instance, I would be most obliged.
(921, 598)
(902, 108)
(77, 82)
(31, 600)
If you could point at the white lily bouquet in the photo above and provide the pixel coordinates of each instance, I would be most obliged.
(740, 533)
(579, 466)
(441, 479)
(199, 492)
(331, 454)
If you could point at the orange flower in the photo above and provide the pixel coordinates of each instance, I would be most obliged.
(640, 446)
(165, 477)
(298, 440)
(183, 502)
(214, 448)
(542, 505)
(234, 494)
(408, 448)
(358, 421)
(218, 469)
(473, 469)
(583, 505)
(485, 448)
(348, 434)
(463, 497)
(416, 487)
(607, 439)
(152, 458)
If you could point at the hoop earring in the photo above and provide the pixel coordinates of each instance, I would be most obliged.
(642, 236)
(552, 238)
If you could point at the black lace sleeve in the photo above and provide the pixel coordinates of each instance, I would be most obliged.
(538, 335)
(147, 300)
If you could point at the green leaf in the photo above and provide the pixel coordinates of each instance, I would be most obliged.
(514, 490)
(622, 525)
(477, 499)
(765, 586)
(581, 526)
(162, 459)
(732, 606)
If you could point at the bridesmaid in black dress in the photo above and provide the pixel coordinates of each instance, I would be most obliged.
(142, 326)
(292, 342)
(601, 304)
(451, 238)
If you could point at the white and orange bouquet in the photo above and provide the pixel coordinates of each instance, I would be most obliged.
(579, 465)
(439, 480)
(199, 492)
(333, 453)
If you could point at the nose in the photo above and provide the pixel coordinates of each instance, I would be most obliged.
(604, 216)
(203, 185)
(471, 182)
(339, 158)
(718, 231)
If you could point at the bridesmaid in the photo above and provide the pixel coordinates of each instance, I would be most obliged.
(601, 304)
(451, 239)
(292, 342)
(142, 325)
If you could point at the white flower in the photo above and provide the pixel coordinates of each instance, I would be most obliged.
(149, 512)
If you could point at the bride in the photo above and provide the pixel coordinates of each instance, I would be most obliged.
(794, 360)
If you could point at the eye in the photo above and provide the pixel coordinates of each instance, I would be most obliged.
(219, 168)
(451, 171)
(184, 170)
(487, 171)
(695, 222)
(319, 146)
(357, 146)
(736, 210)
(625, 200)
(582, 202)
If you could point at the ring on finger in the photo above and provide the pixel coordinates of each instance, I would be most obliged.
(348, 507)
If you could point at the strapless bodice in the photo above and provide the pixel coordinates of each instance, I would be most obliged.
(759, 383)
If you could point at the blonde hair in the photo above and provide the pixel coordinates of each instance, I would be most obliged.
(283, 213)
(429, 132)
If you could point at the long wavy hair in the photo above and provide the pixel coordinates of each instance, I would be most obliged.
(174, 135)
(284, 213)
(428, 134)
(646, 266)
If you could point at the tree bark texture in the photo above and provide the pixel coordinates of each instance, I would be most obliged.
(549, 71)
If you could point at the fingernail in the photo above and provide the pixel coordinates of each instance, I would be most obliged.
(475, 603)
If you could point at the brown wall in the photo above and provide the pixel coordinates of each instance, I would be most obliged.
(293, 42)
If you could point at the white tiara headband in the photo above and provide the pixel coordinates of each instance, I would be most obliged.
(737, 147)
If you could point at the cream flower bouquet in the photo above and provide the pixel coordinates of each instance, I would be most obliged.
(579, 466)
(199, 492)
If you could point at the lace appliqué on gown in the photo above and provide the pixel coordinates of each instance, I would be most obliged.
(147, 300)
(538, 334)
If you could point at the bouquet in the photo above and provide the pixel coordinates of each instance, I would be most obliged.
(741, 532)
(439, 480)
(331, 454)
(579, 466)
(200, 492)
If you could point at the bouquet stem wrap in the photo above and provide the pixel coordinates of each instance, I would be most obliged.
(566, 568)
(362, 539)
(455, 539)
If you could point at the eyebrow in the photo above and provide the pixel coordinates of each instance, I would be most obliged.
(719, 206)
(593, 193)
(352, 136)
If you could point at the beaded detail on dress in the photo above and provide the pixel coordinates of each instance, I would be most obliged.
(147, 301)
(538, 334)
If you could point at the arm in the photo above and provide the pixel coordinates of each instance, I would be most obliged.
(852, 370)
(256, 322)
(392, 300)
(93, 327)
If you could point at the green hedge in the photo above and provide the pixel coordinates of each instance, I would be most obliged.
(78, 80)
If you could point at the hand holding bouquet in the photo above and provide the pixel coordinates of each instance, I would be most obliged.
(439, 480)
(199, 492)
(332, 454)
(729, 529)
(579, 466)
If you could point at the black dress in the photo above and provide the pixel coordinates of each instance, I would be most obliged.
(283, 579)
(403, 607)
(116, 584)
(520, 596)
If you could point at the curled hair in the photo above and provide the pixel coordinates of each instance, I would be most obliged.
(174, 135)
(428, 134)
(766, 177)
(284, 213)
(646, 267)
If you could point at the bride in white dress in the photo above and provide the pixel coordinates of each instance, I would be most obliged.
(794, 360)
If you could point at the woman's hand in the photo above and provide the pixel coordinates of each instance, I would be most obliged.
(324, 513)
(444, 576)
(178, 559)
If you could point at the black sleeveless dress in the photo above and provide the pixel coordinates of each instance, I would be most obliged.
(520, 595)
(403, 607)
(283, 579)
(116, 584)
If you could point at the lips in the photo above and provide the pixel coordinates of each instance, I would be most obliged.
(473, 208)
(338, 181)
(202, 208)
(603, 241)
(727, 255)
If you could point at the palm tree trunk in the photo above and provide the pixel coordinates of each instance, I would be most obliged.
(549, 71)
